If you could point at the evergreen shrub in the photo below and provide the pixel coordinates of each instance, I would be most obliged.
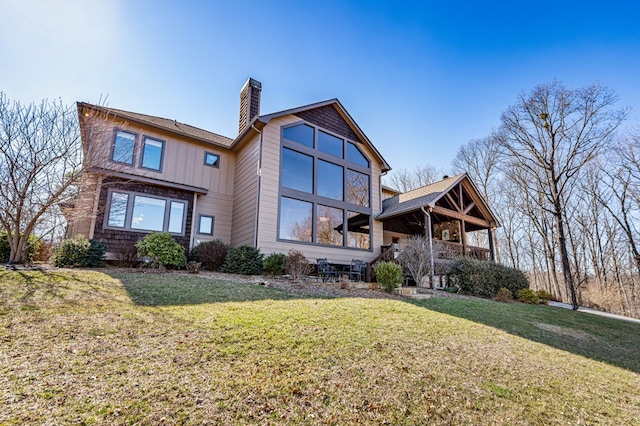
(274, 264)
(484, 279)
(79, 252)
(245, 260)
(388, 274)
(162, 250)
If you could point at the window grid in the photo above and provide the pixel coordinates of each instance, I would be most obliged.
(345, 205)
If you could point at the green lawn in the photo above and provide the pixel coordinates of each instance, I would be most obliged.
(89, 348)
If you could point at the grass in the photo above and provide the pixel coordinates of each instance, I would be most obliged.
(85, 347)
(604, 339)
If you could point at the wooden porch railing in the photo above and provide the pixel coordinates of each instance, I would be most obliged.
(455, 249)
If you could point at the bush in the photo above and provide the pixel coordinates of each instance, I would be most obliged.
(297, 265)
(526, 295)
(79, 252)
(484, 279)
(162, 250)
(245, 260)
(210, 253)
(44, 251)
(544, 296)
(504, 295)
(127, 256)
(33, 248)
(274, 264)
(389, 275)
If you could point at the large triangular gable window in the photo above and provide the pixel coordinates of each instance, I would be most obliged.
(325, 183)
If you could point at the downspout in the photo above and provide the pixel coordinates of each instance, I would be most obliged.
(430, 236)
(193, 221)
(380, 189)
(259, 181)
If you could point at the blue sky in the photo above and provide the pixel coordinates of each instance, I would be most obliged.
(421, 78)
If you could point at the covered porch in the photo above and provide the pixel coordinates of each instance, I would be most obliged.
(451, 214)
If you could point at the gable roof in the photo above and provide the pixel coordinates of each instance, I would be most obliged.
(427, 196)
(262, 120)
(171, 126)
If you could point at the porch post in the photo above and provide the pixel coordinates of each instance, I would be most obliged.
(492, 244)
(429, 233)
(463, 237)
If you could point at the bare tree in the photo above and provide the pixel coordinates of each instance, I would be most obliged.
(480, 159)
(405, 180)
(416, 257)
(40, 158)
(549, 136)
(41, 163)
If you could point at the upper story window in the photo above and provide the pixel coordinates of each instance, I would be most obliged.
(325, 189)
(152, 154)
(356, 156)
(302, 134)
(124, 145)
(330, 144)
(138, 212)
(297, 170)
(211, 159)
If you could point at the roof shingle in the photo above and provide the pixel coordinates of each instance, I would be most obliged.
(166, 124)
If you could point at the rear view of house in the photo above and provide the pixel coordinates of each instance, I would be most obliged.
(306, 178)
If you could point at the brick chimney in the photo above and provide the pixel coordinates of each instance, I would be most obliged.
(249, 103)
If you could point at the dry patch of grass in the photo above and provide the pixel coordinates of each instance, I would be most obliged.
(152, 349)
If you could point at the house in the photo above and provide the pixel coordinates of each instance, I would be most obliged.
(306, 178)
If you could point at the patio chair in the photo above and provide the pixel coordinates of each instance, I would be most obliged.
(327, 271)
(356, 271)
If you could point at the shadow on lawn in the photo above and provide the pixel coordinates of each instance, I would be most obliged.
(603, 339)
(166, 289)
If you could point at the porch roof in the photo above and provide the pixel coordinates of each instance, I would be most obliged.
(430, 195)
(421, 197)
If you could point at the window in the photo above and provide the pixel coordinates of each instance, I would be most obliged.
(358, 232)
(330, 144)
(205, 224)
(152, 152)
(176, 217)
(139, 212)
(297, 171)
(301, 134)
(118, 209)
(354, 155)
(357, 188)
(148, 213)
(295, 219)
(328, 221)
(211, 159)
(330, 180)
(124, 145)
(325, 187)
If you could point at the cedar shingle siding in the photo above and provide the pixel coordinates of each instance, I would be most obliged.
(330, 119)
